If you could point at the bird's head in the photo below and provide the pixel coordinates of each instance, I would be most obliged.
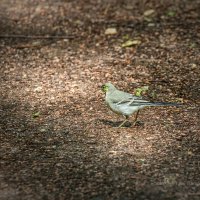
(107, 87)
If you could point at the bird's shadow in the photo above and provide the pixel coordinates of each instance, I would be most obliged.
(117, 123)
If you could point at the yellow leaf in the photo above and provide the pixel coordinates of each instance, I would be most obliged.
(130, 43)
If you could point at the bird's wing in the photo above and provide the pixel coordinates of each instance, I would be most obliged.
(123, 98)
(133, 101)
(120, 96)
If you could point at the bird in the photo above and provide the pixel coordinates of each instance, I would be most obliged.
(126, 104)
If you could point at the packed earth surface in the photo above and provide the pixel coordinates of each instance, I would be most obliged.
(58, 138)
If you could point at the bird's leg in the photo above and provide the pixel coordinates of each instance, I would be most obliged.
(136, 116)
(123, 122)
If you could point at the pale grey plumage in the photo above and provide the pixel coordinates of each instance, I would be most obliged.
(126, 104)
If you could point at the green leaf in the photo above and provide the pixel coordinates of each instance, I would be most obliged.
(36, 114)
(171, 13)
(125, 37)
(140, 91)
(153, 94)
(148, 19)
(130, 43)
(193, 45)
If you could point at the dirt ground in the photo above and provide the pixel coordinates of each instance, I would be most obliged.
(58, 139)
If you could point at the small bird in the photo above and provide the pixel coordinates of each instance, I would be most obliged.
(126, 104)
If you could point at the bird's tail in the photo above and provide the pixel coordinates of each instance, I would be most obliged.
(162, 104)
(146, 103)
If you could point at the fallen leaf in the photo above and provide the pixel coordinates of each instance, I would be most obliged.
(193, 66)
(190, 153)
(151, 24)
(42, 130)
(130, 43)
(38, 89)
(171, 13)
(181, 100)
(149, 12)
(140, 91)
(111, 31)
(193, 45)
(126, 37)
(37, 114)
(148, 19)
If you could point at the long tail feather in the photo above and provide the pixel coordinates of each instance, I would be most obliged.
(165, 104)
(155, 104)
